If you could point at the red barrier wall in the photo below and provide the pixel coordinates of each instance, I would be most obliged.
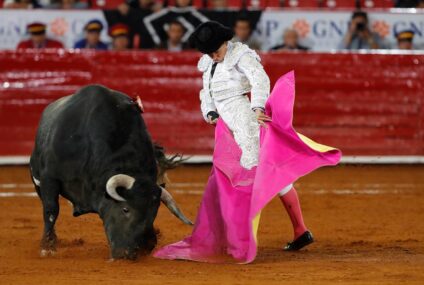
(365, 104)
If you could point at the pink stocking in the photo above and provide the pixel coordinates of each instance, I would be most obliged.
(292, 205)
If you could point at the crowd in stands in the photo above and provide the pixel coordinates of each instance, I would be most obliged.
(156, 5)
(122, 36)
(359, 36)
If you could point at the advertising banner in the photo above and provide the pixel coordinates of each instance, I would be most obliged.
(324, 30)
(64, 26)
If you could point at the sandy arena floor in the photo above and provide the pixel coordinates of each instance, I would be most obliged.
(368, 222)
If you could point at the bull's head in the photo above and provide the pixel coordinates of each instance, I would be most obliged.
(131, 210)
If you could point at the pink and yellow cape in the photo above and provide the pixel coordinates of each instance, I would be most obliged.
(228, 219)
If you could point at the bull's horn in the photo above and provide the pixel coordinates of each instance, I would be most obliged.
(170, 203)
(119, 180)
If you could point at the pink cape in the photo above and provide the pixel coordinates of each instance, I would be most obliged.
(228, 218)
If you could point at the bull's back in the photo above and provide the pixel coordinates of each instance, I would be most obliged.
(74, 127)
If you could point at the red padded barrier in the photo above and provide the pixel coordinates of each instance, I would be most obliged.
(271, 4)
(301, 4)
(365, 104)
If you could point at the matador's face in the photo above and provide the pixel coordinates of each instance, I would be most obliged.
(219, 54)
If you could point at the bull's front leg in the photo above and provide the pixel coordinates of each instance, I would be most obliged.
(50, 190)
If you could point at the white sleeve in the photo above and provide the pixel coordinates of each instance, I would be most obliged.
(206, 103)
(259, 80)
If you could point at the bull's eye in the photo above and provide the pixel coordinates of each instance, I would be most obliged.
(125, 210)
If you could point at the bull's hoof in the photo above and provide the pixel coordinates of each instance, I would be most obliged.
(48, 244)
(48, 240)
(47, 252)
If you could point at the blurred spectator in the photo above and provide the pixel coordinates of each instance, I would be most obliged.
(243, 33)
(141, 4)
(21, 4)
(175, 34)
(183, 3)
(219, 4)
(67, 4)
(359, 35)
(290, 41)
(132, 13)
(409, 4)
(156, 24)
(120, 37)
(38, 38)
(405, 39)
(145, 5)
(92, 36)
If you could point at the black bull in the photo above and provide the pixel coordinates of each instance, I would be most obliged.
(93, 149)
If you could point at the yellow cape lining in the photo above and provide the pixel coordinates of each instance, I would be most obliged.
(255, 227)
(314, 145)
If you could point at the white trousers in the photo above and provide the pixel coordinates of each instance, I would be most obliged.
(241, 120)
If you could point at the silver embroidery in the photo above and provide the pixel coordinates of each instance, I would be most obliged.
(241, 72)
(259, 80)
(236, 51)
(241, 120)
(204, 63)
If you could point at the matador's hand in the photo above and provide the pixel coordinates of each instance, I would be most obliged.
(262, 118)
(213, 117)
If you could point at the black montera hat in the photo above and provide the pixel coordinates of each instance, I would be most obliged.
(209, 36)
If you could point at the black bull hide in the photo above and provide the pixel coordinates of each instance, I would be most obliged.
(93, 148)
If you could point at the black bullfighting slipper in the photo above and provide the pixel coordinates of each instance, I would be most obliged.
(302, 241)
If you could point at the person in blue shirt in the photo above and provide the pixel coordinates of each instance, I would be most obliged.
(92, 36)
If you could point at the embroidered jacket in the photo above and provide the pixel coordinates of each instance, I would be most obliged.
(241, 72)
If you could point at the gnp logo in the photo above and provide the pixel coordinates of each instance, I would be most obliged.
(59, 26)
(381, 27)
(302, 27)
